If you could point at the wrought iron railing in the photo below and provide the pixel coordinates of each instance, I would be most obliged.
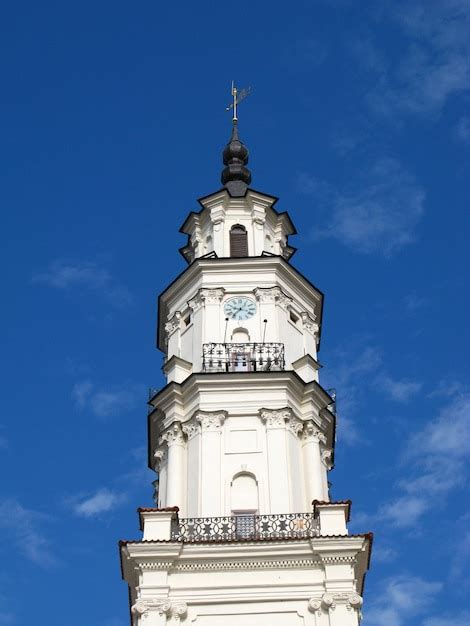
(246, 526)
(243, 357)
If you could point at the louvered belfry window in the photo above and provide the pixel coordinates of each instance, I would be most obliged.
(238, 241)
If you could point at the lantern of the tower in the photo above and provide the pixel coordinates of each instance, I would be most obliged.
(242, 435)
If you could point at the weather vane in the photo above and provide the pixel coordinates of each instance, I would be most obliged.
(237, 96)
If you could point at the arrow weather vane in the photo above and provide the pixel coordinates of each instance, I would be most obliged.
(237, 96)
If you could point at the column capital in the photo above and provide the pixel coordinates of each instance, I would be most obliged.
(143, 606)
(272, 295)
(276, 418)
(295, 425)
(173, 436)
(160, 457)
(325, 603)
(191, 428)
(309, 323)
(311, 432)
(206, 296)
(327, 458)
(211, 420)
(173, 323)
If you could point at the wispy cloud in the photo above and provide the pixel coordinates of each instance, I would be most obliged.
(23, 527)
(400, 599)
(430, 477)
(85, 276)
(399, 390)
(102, 501)
(354, 366)
(107, 402)
(435, 62)
(377, 214)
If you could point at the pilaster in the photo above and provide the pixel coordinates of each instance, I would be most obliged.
(174, 439)
(313, 466)
(211, 461)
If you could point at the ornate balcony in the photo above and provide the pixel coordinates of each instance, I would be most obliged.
(246, 526)
(242, 357)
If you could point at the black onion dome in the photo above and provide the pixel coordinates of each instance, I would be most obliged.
(235, 176)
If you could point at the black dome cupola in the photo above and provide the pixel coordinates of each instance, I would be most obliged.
(235, 176)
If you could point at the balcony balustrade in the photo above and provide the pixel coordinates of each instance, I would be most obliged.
(243, 357)
(246, 526)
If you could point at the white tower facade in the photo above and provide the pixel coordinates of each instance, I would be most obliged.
(242, 436)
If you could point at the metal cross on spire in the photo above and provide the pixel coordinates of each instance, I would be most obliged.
(237, 96)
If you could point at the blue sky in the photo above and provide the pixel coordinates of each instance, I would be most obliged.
(112, 125)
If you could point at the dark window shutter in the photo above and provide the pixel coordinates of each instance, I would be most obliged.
(238, 241)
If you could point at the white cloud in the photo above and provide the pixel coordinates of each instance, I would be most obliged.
(105, 403)
(404, 512)
(436, 459)
(399, 390)
(399, 599)
(448, 435)
(84, 276)
(378, 214)
(102, 501)
(435, 63)
(23, 527)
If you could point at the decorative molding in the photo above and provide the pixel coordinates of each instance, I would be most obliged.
(312, 433)
(191, 428)
(309, 323)
(143, 606)
(258, 217)
(295, 425)
(217, 217)
(160, 458)
(207, 565)
(211, 421)
(272, 295)
(337, 559)
(325, 603)
(327, 458)
(179, 610)
(155, 565)
(206, 296)
(173, 323)
(173, 436)
(276, 418)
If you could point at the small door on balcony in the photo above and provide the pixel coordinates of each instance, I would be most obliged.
(244, 504)
(240, 357)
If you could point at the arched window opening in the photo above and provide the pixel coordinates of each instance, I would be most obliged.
(238, 241)
(240, 335)
(244, 504)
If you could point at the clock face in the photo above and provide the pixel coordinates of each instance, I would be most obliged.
(239, 308)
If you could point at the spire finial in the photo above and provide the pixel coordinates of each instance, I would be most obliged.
(235, 176)
(237, 96)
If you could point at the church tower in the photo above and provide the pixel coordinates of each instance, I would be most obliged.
(242, 435)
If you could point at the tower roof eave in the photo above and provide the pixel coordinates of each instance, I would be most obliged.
(205, 200)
